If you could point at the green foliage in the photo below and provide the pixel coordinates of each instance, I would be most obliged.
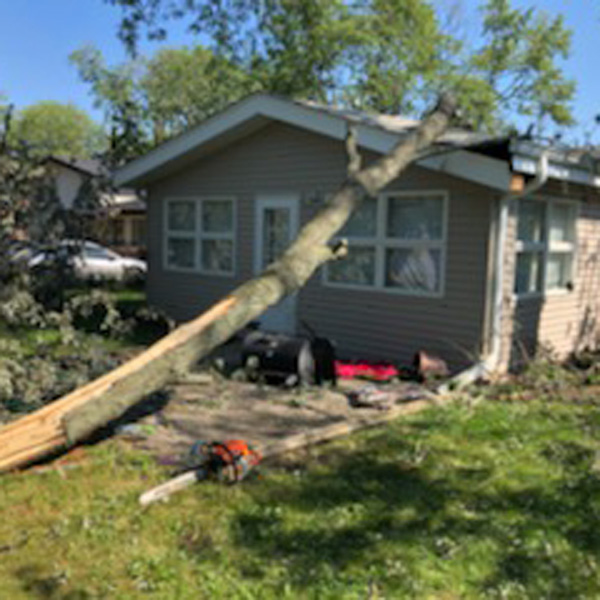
(115, 91)
(45, 354)
(35, 374)
(20, 309)
(31, 214)
(400, 56)
(139, 100)
(29, 206)
(30, 210)
(52, 128)
(204, 83)
(518, 62)
(384, 55)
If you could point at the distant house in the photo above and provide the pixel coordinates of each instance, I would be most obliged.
(482, 251)
(119, 217)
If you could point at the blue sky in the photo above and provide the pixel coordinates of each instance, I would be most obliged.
(36, 37)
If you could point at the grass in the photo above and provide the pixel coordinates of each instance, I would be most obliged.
(494, 499)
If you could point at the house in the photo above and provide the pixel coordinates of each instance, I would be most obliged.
(119, 217)
(481, 251)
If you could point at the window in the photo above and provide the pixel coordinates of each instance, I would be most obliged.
(545, 246)
(97, 252)
(396, 242)
(200, 235)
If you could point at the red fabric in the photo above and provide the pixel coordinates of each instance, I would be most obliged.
(366, 370)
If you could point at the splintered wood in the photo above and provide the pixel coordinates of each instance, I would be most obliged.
(44, 431)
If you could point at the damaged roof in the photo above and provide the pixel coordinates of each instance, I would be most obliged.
(475, 156)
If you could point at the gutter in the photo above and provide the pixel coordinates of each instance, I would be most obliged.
(491, 362)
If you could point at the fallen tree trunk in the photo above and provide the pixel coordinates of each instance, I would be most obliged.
(75, 416)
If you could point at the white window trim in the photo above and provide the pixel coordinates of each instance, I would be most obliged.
(546, 247)
(381, 242)
(198, 235)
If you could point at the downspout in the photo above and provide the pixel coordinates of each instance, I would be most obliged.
(490, 363)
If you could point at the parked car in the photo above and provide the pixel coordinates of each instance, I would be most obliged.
(91, 262)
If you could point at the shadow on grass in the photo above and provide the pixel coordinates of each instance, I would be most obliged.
(363, 507)
(37, 584)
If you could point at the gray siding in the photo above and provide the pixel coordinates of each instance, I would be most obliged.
(370, 324)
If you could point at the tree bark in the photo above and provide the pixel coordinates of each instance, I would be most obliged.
(75, 416)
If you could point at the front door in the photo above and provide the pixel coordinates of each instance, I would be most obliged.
(276, 226)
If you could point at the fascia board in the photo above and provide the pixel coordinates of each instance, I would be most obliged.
(528, 165)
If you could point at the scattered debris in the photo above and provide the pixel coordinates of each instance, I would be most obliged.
(428, 366)
(135, 430)
(410, 392)
(370, 396)
(195, 378)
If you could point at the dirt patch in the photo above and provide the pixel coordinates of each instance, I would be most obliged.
(218, 409)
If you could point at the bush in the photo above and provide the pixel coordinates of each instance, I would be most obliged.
(21, 310)
(29, 380)
(36, 369)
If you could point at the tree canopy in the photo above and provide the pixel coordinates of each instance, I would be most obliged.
(518, 63)
(385, 55)
(150, 100)
(60, 129)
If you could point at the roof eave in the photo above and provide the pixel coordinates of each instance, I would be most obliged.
(525, 159)
(458, 162)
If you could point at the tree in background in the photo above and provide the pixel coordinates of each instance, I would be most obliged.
(28, 206)
(52, 128)
(384, 55)
(149, 100)
(31, 214)
(518, 66)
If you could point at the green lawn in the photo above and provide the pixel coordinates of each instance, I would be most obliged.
(494, 499)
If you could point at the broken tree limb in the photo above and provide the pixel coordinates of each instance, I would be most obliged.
(49, 428)
(354, 157)
(75, 416)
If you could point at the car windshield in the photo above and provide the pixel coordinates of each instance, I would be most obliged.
(97, 252)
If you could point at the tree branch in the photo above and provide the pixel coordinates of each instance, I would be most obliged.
(354, 157)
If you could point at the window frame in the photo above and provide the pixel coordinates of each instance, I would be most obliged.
(198, 235)
(546, 247)
(381, 243)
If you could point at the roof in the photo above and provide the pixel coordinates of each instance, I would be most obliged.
(122, 200)
(395, 123)
(87, 166)
(462, 153)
